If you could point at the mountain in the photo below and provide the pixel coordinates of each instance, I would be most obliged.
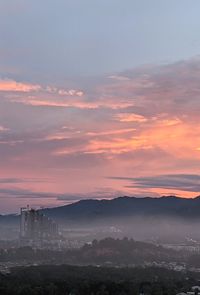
(121, 208)
(92, 210)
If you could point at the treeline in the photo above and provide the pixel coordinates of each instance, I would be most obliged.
(73, 280)
(107, 251)
(127, 251)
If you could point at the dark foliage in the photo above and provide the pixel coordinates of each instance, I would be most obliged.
(65, 280)
(107, 251)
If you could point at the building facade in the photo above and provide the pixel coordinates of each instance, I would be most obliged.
(36, 228)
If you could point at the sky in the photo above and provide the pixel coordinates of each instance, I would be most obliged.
(98, 99)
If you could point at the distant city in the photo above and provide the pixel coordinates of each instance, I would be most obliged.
(66, 236)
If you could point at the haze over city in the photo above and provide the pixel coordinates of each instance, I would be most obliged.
(98, 99)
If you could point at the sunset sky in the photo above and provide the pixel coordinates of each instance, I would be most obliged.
(98, 99)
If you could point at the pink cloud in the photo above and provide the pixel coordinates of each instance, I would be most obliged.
(133, 124)
(13, 86)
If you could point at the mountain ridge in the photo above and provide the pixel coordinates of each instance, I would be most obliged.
(126, 206)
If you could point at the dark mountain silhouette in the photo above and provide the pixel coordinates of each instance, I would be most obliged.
(92, 210)
(122, 207)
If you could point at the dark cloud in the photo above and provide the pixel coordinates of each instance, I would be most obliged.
(22, 180)
(62, 197)
(25, 194)
(182, 182)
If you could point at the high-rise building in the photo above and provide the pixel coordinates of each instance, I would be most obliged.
(35, 227)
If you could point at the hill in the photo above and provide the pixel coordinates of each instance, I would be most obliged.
(91, 210)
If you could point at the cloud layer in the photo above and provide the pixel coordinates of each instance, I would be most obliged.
(136, 132)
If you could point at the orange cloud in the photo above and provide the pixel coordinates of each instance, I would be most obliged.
(13, 86)
(140, 123)
(73, 103)
(128, 117)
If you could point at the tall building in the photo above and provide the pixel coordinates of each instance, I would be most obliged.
(36, 228)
